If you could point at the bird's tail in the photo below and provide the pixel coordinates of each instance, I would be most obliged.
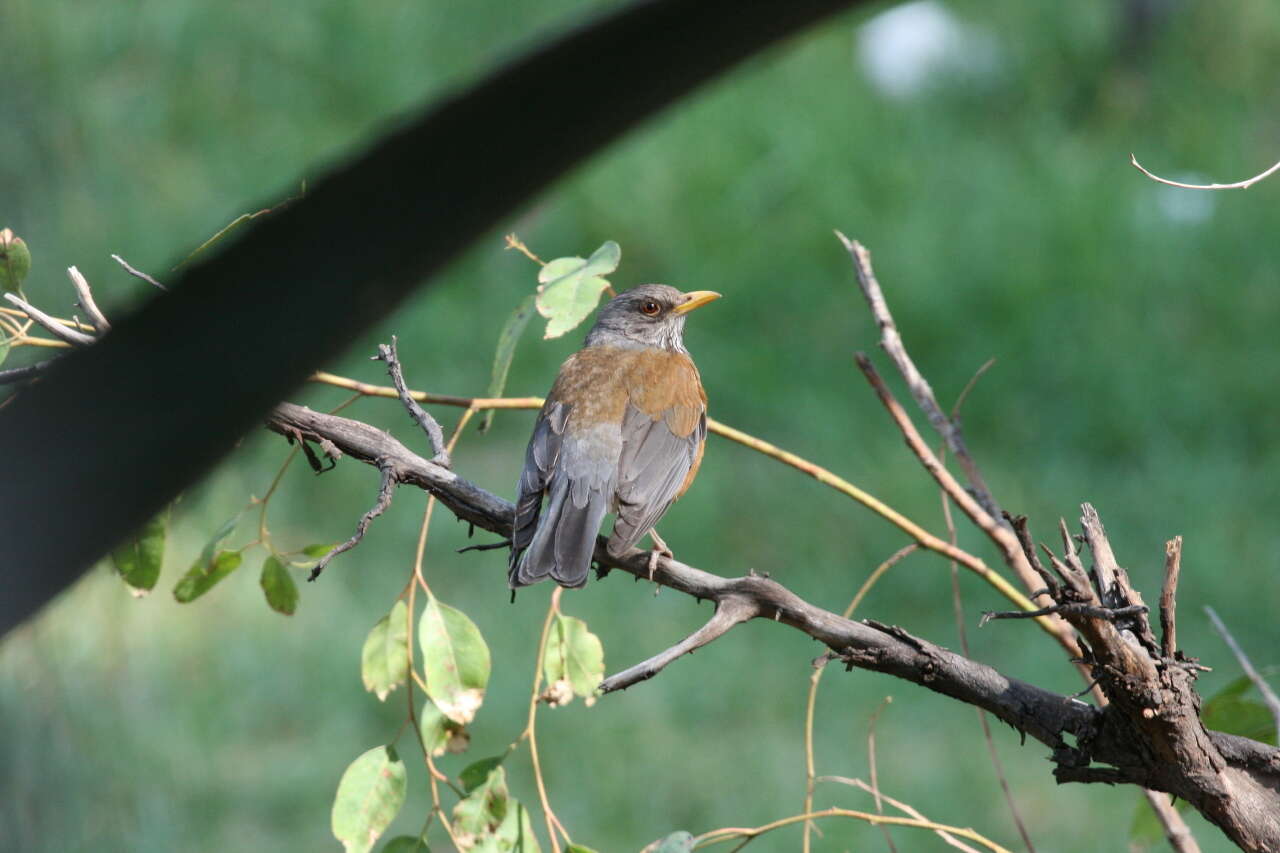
(565, 538)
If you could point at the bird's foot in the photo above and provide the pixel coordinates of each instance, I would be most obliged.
(661, 549)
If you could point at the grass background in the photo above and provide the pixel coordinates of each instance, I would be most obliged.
(1136, 368)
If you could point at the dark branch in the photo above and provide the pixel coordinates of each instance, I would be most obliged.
(25, 374)
(731, 610)
(391, 355)
(385, 491)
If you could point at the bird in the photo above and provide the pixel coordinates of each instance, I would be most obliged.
(622, 431)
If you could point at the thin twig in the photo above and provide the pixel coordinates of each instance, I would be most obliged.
(1000, 535)
(1169, 596)
(85, 295)
(871, 763)
(729, 833)
(1238, 185)
(429, 425)
(899, 805)
(891, 341)
(1072, 608)
(730, 611)
(57, 329)
(816, 678)
(1268, 695)
(531, 727)
(385, 491)
(137, 273)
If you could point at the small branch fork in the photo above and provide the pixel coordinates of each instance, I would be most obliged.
(730, 611)
(1144, 735)
(429, 425)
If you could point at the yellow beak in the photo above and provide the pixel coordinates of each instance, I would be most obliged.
(695, 299)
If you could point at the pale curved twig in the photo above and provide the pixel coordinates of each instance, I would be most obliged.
(1238, 185)
(729, 833)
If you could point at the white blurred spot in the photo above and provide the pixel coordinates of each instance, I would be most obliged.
(1186, 207)
(906, 48)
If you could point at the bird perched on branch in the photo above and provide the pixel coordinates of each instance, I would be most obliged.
(622, 431)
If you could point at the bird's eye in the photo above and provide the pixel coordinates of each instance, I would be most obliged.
(650, 308)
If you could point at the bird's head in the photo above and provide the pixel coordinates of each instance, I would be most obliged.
(651, 315)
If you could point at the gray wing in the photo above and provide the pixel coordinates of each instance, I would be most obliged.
(653, 467)
(577, 475)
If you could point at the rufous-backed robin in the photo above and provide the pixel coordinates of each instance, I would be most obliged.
(622, 431)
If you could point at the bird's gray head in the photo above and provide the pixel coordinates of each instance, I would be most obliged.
(651, 315)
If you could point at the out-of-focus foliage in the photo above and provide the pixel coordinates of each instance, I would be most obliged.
(1133, 327)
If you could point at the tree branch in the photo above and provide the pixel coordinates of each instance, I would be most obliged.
(429, 425)
(731, 610)
(1149, 735)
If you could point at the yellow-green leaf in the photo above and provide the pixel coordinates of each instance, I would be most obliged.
(575, 655)
(570, 288)
(455, 660)
(384, 660)
(370, 794)
(507, 340)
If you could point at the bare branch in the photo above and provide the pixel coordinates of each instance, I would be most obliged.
(1238, 185)
(25, 373)
(137, 273)
(385, 491)
(59, 330)
(1000, 535)
(85, 296)
(1176, 831)
(731, 610)
(1268, 695)
(1168, 597)
(429, 425)
(891, 341)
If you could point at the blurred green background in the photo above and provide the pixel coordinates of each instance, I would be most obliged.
(1133, 327)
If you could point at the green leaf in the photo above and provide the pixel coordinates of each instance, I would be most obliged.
(676, 842)
(15, 260)
(578, 848)
(502, 356)
(571, 287)
(488, 820)
(455, 660)
(203, 576)
(384, 660)
(1228, 711)
(278, 586)
(4, 351)
(370, 794)
(482, 811)
(139, 560)
(515, 833)
(441, 734)
(318, 550)
(476, 774)
(574, 654)
(405, 844)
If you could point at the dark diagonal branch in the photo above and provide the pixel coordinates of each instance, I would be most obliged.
(429, 425)
(385, 491)
(1149, 735)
